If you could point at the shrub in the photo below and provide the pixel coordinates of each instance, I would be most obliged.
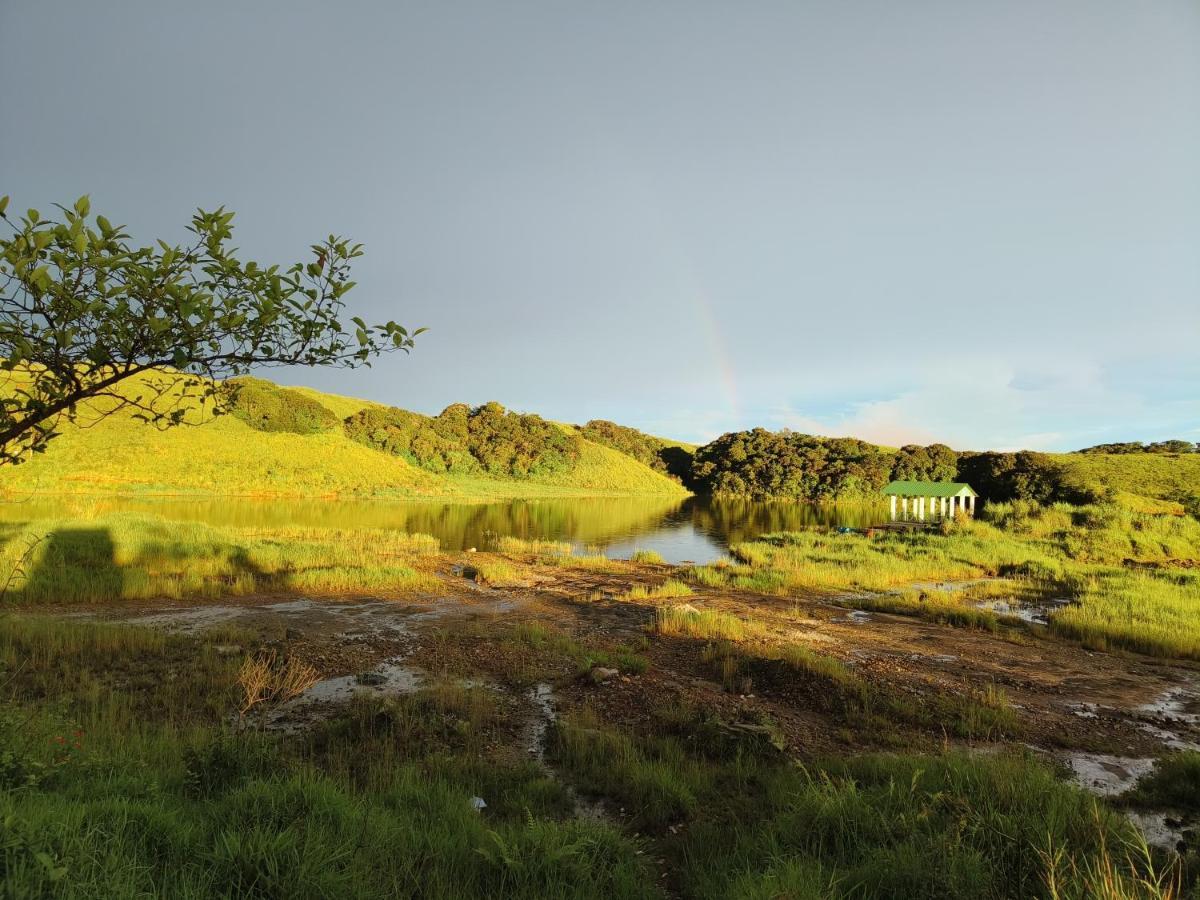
(268, 407)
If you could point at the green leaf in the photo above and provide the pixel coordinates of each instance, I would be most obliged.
(83, 205)
(81, 243)
(3, 204)
(33, 215)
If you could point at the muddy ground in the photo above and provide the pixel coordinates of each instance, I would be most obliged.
(1103, 716)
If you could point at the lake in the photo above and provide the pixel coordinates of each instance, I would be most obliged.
(690, 529)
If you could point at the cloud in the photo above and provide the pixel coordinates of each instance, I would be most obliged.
(994, 406)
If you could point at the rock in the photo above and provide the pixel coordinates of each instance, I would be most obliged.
(371, 679)
(227, 650)
(601, 674)
(471, 550)
(478, 804)
(293, 634)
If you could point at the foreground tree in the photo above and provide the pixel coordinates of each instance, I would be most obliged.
(82, 311)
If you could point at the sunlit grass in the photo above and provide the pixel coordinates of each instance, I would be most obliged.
(1126, 571)
(669, 589)
(127, 556)
(708, 624)
(647, 557)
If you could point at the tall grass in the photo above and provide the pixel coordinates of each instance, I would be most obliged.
(669, 589)
(708, 624)
(872, 826)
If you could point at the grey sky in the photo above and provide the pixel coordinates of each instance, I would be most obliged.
(976, 222)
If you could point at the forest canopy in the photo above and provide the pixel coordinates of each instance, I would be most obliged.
(461, 440)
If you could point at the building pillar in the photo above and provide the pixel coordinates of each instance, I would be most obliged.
(942, 507)
(893, 499)
(970, 505)
(921, 513)
(904, 506)
(952, 504)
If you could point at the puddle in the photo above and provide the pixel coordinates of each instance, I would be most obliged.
(855, 617)
(542, 697)
(1173, 717)
(946, 586)
(389, 679)
(1165, 830)
(1107, 775)
(1033, 613)
(936, 658)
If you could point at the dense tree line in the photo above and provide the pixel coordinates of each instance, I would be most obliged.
(654, 452)
(937, 462)
(761, 463)
(1024, 475)
(487, 439)
(1172, 446)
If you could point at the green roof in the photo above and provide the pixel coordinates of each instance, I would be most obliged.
(929, 489)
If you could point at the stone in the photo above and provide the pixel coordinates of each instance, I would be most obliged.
(293, 634)
(601, 674)
(371, 679)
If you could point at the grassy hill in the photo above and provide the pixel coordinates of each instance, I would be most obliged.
(251, 452)
(1162, 476)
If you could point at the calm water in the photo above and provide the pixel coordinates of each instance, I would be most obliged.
(697, 529)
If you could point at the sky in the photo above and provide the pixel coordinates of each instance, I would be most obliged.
(968, 222)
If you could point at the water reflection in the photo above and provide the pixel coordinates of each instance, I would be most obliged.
(697, 529)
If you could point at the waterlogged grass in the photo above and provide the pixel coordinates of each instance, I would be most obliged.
(944, 607)
(518, 546)
(130, 556)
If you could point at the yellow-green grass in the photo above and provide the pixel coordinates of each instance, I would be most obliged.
(222, 455)
(708, 624)
(670, 588)
(497, 573)
(1127, 572)
(1154, 612)
(126, 556)
(648, 558)
(1157, 475)
(514, 546)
